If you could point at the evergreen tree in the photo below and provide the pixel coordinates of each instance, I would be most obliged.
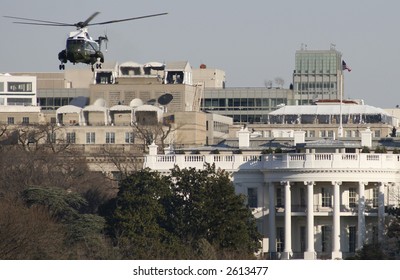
(207, 207)
(190, 214)
(137, 215)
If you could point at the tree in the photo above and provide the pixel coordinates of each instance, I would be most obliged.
(28, 233)
(135, 217)
(392, 241)
(372, 251)
(83, 232)
(188, 214)
(153, 132)
(205, 206)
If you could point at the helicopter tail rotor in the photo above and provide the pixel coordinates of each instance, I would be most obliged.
(101, 39)
(106, 38)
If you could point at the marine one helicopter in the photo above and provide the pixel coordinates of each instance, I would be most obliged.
(80, 47)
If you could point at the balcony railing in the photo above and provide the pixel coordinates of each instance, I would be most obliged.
(235, 162)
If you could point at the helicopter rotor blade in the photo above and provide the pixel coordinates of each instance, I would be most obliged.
(38, 22)
(78, 25)
(127, 19)
(86, 22)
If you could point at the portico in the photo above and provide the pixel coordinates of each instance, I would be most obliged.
(330, 217)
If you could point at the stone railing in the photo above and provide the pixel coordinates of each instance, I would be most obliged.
(235, 162)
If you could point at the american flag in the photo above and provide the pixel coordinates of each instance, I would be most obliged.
(345, 67)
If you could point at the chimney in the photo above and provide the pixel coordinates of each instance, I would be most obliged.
(299, 137)
(366, 138)
(244, 137)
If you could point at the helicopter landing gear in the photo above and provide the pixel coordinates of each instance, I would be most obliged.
(97, 65)
(62, 67)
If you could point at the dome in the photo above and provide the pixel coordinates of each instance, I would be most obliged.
(100, 102)
(136, 102)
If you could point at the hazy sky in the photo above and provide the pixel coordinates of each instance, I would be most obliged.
(252, 41)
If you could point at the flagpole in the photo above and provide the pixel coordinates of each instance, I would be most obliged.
(340, 131)
(344, 67)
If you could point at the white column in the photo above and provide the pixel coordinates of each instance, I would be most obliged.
(361, 215)
(287, 252)
(381, 210)
(310, 254)
(336, 253)
(271, 221)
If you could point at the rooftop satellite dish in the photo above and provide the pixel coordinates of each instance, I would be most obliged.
(165, 99)
(151, 102)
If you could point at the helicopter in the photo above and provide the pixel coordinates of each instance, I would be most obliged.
(80, 47)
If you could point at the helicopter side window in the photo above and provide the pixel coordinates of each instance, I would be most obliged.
(88, 46)
(93, 46)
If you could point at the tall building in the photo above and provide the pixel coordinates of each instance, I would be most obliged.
(318, 74)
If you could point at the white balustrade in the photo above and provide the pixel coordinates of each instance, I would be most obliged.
(276, 161)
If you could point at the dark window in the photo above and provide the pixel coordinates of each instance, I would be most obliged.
(352, 239)
(25, 120)
(252, 197)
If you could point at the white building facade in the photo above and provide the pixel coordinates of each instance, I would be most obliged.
(310, 205)
(17, 90)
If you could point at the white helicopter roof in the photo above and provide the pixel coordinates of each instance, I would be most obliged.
(80, 33)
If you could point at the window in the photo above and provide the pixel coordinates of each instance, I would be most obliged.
(19, 87)
(51, 137)
(375, 195)
(302, 239)
(19, 101)
(252, 197)
(129, 139)
(90, 137)
(352, 197)
(25, 120)
(110, 137)
(302, 197)
(375, 235)
(10, 120)
(326, 239)
(71, 137)
(279, 197)
(326, 198)
(280, 239)
(352, 239)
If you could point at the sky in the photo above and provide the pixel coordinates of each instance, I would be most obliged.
(252, 41)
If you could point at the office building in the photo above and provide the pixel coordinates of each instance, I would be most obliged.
(318, 74)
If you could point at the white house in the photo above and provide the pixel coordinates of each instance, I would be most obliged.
(319, 202)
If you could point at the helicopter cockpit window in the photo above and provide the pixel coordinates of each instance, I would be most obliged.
(74, 44)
